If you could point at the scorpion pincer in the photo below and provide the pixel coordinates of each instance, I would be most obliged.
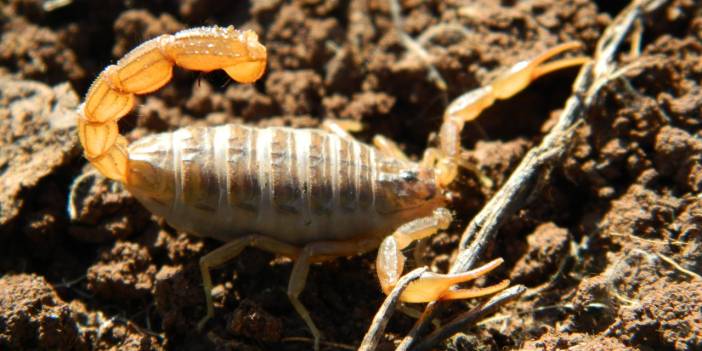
(309, 194)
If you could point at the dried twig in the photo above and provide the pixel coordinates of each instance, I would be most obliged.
(370, 341)
(414, 47)
(677, 266)
(538, 162)
(471, 317)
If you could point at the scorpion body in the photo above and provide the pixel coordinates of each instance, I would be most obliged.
(307, 194)
(295, 185)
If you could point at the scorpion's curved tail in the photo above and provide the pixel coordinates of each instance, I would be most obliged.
(149, 67)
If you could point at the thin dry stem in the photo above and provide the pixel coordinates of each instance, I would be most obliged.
(471, 317)
(678, 267)
(416, 48)
(380, 321)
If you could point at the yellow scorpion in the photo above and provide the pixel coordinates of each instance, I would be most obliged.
(308, 194)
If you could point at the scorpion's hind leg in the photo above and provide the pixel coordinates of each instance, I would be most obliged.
(314, 252)
(228, 252)
(430, 286)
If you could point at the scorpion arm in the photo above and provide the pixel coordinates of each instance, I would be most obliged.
(430, 286)
(468, 106)
(149, 67)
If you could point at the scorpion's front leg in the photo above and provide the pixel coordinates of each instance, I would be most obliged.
(430, 286)
(228, 252)
(468, 106)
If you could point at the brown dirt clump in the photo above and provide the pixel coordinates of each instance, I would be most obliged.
(546, 247)
(610, 249)
(37, 124)
(119, 214)
(125, 272)
(666, 316)
(580, 342)
(33, 315)
(33, 52)
(250, 321)
(176, 297)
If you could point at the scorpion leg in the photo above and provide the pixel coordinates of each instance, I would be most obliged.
(228, 252)
(383, 144)
(317, 252)
(342, 127)
(430, 286)
(389, 147)
(468, 106)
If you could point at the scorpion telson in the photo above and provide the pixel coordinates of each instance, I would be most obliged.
(308, 194)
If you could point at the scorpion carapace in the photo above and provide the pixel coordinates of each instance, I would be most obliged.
(308, 194)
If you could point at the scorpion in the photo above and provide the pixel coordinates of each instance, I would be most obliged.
(308, 194)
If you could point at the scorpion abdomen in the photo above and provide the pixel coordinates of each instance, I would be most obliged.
(298, 185)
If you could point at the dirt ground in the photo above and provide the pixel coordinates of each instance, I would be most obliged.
(608, 250)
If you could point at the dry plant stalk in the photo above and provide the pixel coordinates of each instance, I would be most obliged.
(370, 340)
